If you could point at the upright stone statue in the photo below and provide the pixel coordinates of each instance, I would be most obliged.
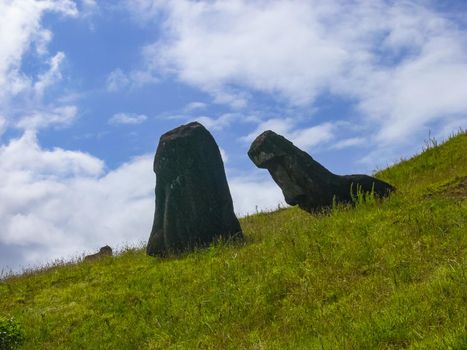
(303, 180)
(193, 201)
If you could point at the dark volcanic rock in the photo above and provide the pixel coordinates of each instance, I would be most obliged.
(104, 251)
(193, 202)
(302, 179)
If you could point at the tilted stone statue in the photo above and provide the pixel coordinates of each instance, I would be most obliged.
(305, 182)
(193, 201)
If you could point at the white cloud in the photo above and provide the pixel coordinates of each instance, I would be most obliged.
(236, 100)
(225, 157)
(253, 193)
(51, 76)
(350, 142)
(196, 105)
(41, 40)
(19, 28)
(217, 123)
(401, 63)
(25, 155)
(127, 118)
(418, 93)
(146, 10)
(117, 80)
(37, 119)
(309, 137)
(3, 125)
(280, 126)
(302, 137)
(58, 203)
(88, 7)
(269, 48)
(21, 95)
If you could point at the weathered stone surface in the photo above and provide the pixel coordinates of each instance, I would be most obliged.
(305, 182)
(104, 251)
(193, 201)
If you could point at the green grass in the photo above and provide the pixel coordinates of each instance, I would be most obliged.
(381, 275)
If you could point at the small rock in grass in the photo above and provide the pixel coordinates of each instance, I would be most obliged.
(104, 251)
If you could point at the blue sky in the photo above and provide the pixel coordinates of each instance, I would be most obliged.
(87, 87)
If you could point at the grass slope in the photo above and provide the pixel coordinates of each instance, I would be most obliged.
(382, 275)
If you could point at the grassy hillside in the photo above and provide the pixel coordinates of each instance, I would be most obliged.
(382, 275)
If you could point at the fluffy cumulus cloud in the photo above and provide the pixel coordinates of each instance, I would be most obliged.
(267, 195)
(58, 203)
(264, 46)
(401, 64)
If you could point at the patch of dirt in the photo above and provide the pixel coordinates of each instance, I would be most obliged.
(455, 189)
